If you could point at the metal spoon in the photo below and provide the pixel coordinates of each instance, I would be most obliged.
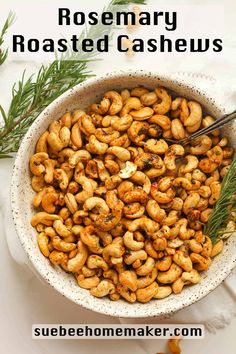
(219, 123)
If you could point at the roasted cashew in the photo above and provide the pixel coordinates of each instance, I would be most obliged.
(183, 260)
(112, 275)
(181, 182)
(88, 189)
(155, 211)
(43, 242)
(147, 280)
(135, 195)
(217, 248)
(126, 293)
(109, 221)
(120, 152)
(198, 175)
(208, 120)
(146, 294)
(158, 147)
(138, 91)
(61, 176)
(173, 152)
(144, 223)
(55, 142)
(192, 277)
(37, 200)
(49, 201)
(121, 123)
(43, 218)
(49, 170)
(163, 292)
(170, 275)
(171, 219)
(134, 255)
(37, 163)
(133, 210)
(207, 247)
(140, 178)
(61, 229)
(200, 263)
(208, 166)
(116, 102)
(128, 171)
(87, 283)
(41, 145)
(195, 116)
(195, 246)
(95, 262)
(104, 288)
(161, 120)
(162, 197)
(61, 245)
(125, 94)
(90, 239)
(148, 99)
(191, 202)
(128, 278)
(138, 132)
(76, 263)
(192, 164)
(184, 232)
(38, 183)
(164, 106)
(58, 258)
(115, 250)
(106, 135)
(98, 203)
(66, 120)
(164, 263)
(215, 192)
(95, 146)
(102, 107)
(200, 145)
(146, 268)
(151, 163)
(130, 243)
(177, 129)
(130, 103)
(142, 114)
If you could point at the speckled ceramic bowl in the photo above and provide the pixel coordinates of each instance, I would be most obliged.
(22, 194)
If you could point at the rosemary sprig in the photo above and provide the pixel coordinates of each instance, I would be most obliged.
(30, 96)
(9, 21)
(224, 206)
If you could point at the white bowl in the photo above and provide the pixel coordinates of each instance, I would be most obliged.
(21, 195)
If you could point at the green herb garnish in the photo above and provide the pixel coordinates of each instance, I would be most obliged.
(30, 96)
(224, 206)
(9, 21)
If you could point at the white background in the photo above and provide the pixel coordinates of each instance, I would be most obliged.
(24, 299)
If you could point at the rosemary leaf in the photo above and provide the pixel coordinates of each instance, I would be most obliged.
(30, 96)
(223, 208)
(9, 21)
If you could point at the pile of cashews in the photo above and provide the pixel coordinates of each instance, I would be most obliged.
(120, 208)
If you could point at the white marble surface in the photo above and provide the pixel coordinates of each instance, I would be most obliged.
(25, 300)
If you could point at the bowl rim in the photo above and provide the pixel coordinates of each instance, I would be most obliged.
(14, 196)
